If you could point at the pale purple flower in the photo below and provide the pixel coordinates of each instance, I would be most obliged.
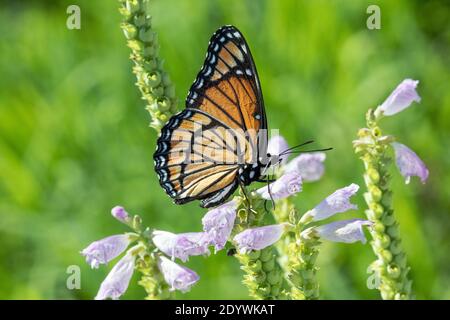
(337, 202)
(400, 98)
(288, 184)
(178, 277)
(118, 279)
(120, 214)
(276, 145)
(258, 238)
(218, 223)
(409, 163)
(182, 245)
(347, 231)
(309, 165)
(104, 250)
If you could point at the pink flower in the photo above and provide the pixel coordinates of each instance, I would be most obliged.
(258, 238)
(288, 184)
(347, 231)
(118, 279)
(181, 245)
(401, 98)
(218, 224)
(104, 250)
(337, 202)
(120, 214)
(409, 163)
(309, 165)
(178, 277)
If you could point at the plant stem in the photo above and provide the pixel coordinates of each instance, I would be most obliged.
(263, 274)
(153, 82)
(159, 93)
(390, 268)
(302, 270)
(300, 254)
(151, 279)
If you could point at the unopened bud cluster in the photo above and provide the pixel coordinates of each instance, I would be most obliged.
(153, 82)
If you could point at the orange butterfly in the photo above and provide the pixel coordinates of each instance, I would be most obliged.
(219, 141)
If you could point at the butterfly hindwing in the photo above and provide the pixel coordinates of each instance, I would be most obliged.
(200, 149)
(192, 159)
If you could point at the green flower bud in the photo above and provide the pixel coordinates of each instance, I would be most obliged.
(146, 35)
(393, 230)
(274, 277)
(137, 222)
(255, 265)
(269, 265)
(254, 254)
(373, 175)
(266, 254)
(132, 6)
(153, 79)
(140, 20)
(275, 290)
(135, 45)
(400, 260)
(129, 31)
(393, 270)
(388, 220)
(386, 255)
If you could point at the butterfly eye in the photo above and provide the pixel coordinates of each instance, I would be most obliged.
(274, 159)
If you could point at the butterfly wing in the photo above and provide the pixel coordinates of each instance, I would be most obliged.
(224, 125)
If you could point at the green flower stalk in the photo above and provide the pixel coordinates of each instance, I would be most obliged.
(263, 274)
(153, 82)
(159, 93)
(152, 279)
(391, 268)
(301, 268)
(299, 254)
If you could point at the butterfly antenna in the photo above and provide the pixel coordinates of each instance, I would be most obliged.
(270, 193)
(309, 151)
(297, 146)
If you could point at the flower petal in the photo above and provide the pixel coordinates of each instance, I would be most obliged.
(178, 277)
(258, 238)
(118, 279)
(400, 98)
(182, 245)
(276, 145)
(347, 231)
(104, 250)
(219, 222)
(309, 165)
(288, 184)
(409, 163)
(337, 202)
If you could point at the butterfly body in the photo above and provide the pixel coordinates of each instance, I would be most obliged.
(219, 141)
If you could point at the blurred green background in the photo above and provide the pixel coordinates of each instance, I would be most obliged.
(75, 141)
